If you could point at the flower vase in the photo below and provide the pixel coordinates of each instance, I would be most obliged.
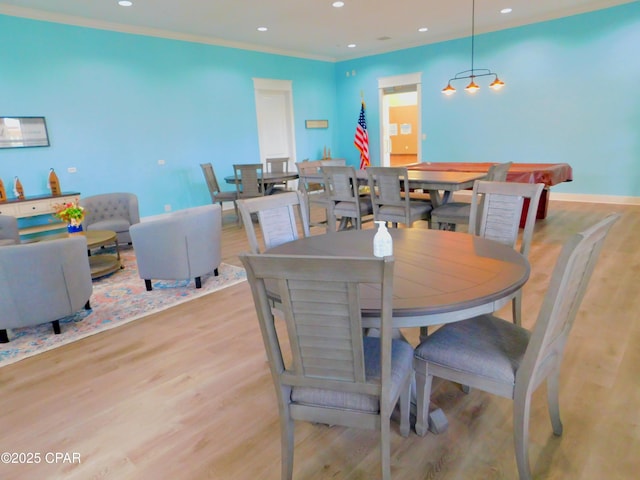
(74, 228)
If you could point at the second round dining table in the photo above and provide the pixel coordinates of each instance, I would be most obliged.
(439, 276)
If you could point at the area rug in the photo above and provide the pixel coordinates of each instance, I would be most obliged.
(117, 299)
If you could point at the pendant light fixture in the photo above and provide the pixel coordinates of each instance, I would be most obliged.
(474, 73)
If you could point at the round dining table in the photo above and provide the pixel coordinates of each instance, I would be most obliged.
(439, 276)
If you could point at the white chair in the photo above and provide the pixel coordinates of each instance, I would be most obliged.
(386, 186)
(450, 214)
(346, 203)
(498, 357)
(277, 216)
(218, 195)
(496, 209)
(336, 376)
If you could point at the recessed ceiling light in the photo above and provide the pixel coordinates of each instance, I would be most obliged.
(262, 29)
(351, 45)
(423, 29)
(337, 4)
(125, 3)
(506, 10)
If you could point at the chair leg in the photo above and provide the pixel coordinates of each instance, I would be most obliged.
(286, 444)
(423, 397)
(405, 408)
(4, 337)
(147, 284)
(385, 447)
(553, 387)
(56, 327)
(198, 282)
(516, 308)
(521, 410)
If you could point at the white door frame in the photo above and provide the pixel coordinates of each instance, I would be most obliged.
(285, 86)
(390, 82)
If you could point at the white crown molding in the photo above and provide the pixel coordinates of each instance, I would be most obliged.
(148, 32)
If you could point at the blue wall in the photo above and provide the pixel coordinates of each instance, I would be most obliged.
(571, 96)
(117, 103)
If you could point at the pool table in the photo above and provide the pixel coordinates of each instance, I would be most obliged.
(548, 173)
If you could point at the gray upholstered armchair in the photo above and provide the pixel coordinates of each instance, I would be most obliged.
(9, 234)
(180, 245)
(61, 287)
(112, 211)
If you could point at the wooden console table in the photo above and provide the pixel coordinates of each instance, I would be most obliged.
(35, 206)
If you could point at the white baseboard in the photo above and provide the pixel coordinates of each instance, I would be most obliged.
(579, 197)
(587, 198)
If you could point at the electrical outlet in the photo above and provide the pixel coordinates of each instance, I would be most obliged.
(72, 170)
(167, 208)
(161, 162)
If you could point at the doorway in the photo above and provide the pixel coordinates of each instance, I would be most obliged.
(400, 129)
(274, 114)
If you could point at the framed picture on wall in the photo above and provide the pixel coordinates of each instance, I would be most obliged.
(23, 132)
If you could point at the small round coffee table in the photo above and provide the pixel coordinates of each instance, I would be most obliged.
(104, 263)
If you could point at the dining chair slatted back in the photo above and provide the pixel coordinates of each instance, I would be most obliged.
(346, 202)
(496, 209)
(218, 195)
(496, 356)
(451, 214)
(278, 219)
(311, 184)
(278, 165)
(336, 375)
(386, 186)
(249, 180)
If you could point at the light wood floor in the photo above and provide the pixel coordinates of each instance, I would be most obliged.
(186, 393)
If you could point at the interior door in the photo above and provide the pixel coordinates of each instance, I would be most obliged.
(401, 126)
(274, 112)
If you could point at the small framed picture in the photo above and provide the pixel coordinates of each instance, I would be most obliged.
(23, 132)
(316, 123)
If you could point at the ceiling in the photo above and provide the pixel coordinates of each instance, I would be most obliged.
(303, 28)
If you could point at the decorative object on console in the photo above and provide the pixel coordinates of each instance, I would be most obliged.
(54, 183)
(72, 214)
(18, 191)
(3, 192)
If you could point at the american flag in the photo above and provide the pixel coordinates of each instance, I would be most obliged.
(362, 140)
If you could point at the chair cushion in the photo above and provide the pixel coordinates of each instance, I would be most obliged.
(348, 209)
(401, 364)
(115, 224)
(486, 346)
(453, 209)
